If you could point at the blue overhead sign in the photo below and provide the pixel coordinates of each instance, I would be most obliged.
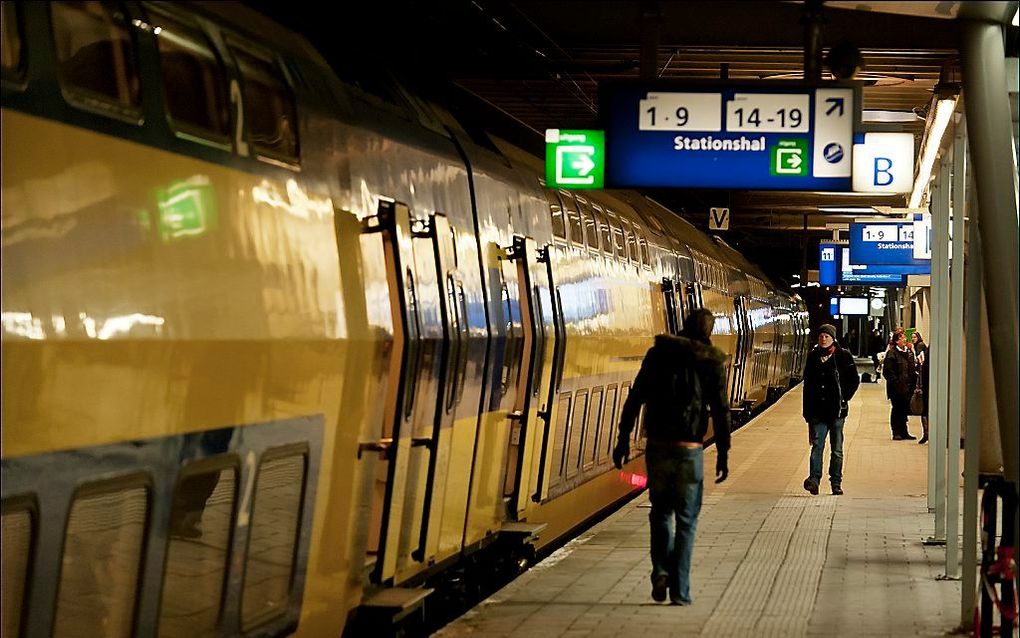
(886, 243)
(835, 269)
(770, 136)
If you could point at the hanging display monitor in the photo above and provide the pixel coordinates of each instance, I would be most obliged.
(835, 269)
(889, 243)
(853, 306)
(769, 135)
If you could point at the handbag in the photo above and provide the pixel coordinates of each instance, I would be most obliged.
(917, 403)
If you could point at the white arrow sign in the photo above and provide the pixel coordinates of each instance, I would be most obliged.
(583, 164)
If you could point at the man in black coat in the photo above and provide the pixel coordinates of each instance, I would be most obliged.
(830, 381)
(681, 379)
(900, 375)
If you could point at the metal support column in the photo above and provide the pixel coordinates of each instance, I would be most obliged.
(651, 18)
(972, 436)
(812, 21)
(956, 277)
(989, 119)
(939, 353)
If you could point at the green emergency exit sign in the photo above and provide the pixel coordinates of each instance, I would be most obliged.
(574, 159)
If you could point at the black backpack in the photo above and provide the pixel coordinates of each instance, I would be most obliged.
(683, 387)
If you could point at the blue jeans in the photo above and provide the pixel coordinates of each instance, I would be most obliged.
(675, 488)
(835, 431)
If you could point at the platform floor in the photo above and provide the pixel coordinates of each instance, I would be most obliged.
(769, 559)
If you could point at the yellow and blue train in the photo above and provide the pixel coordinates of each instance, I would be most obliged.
(281, 349)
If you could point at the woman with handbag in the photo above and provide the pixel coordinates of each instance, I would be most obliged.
(900, 375)
(921, 352)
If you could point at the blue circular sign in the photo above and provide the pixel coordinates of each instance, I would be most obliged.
(833, 152)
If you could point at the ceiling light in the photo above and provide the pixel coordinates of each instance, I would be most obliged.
(888, 116)
(852, 210)
(932, 142)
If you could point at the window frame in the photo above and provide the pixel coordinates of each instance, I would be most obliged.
(98, 487)
(566, 197)
(16, 76)
(605, 232)
(85, 100)
(234, 43)
(586, 216)
(180, 129)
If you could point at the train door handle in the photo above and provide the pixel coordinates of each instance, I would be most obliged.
(383, 446)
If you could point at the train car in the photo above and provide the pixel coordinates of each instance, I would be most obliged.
(284, 351)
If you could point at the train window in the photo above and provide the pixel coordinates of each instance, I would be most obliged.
(11, 44)
(273, 537)
(556, 212)
(573, 218)
(196, 558)
(592, 429)
(605, 234)
(96, 55)
(632, 251)
(102, 558)
(624, 391)
(193, 79)
(609, 423)
(643, 245)
(591, 233)
(270, 114)
(620, 246)
(16, 550)
(576, 432)
(560, 437)
(657, 228)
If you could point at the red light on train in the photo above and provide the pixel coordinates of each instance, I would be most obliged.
(636, 480)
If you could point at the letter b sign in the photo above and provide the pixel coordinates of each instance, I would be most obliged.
(883, 174)
(884, 163)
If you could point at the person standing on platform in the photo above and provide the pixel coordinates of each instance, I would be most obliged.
(899, 370)
(830, 381)
(849, 341)
(921, 356)
(681, 379)
(876, 346)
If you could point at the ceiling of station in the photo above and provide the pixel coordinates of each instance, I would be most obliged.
(542, 62)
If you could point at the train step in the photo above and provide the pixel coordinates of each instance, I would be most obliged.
(395, 603)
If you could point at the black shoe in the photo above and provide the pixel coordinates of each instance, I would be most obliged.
(837, 490)
(897, 437)
(909, 437)
(659, 589)
(811, 486)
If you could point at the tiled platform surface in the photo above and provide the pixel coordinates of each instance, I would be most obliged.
(769, 560)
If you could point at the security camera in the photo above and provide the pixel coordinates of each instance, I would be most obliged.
(844, 61)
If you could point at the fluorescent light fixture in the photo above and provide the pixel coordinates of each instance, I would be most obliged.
(853, 210)
(888, 116)
(943, 113)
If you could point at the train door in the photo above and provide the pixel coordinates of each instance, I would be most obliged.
(536, 320)
(546, 464)
(392, 441)
(694, 299)
(443, 318)
(741, 353)
(673, 321)
(409, 451)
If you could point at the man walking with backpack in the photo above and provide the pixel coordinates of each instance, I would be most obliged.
(830, 381)
(681, 378)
